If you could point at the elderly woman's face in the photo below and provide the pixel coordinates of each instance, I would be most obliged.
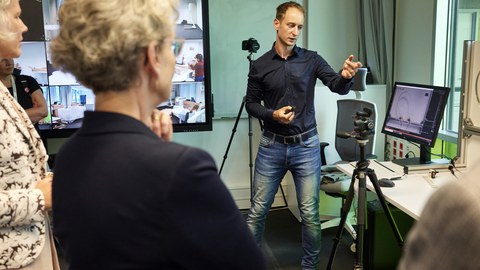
(12, 48)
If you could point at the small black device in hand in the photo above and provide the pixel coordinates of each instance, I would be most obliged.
(292, 108)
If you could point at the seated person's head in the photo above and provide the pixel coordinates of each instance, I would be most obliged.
(6, 66)
(105, 43)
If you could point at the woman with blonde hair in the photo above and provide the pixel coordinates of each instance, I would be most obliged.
(124, 198)
(25, 188)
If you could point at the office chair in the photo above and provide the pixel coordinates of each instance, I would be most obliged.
(348, 150)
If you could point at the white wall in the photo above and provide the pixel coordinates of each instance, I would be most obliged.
(332, 30)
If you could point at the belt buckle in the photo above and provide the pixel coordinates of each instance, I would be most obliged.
(289, 140)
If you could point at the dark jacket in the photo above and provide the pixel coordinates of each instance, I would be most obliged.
(125, 199)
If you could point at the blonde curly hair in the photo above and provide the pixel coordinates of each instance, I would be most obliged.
(100, 41)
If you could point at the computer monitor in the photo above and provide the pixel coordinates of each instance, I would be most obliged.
(415, 114)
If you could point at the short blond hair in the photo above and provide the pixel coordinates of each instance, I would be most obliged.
(5, 31)
(100, 41)
(282, 9)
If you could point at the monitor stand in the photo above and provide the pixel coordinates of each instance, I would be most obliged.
(410, 161)
(422, 163)
(424, 158)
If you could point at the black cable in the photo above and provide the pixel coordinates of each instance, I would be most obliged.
(452, 168)
(430, 153)
(407, 155)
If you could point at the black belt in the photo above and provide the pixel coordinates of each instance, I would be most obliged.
(290, 139)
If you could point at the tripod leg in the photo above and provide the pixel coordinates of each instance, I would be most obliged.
(231, 137)
(386, 210)
(343, 218)
(250, 154)
(361, 214)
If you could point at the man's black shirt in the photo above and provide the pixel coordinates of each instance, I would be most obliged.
(291, 82)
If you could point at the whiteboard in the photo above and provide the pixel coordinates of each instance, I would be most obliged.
(231, 22)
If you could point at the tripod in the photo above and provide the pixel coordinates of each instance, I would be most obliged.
(250, 134)
(360, 173)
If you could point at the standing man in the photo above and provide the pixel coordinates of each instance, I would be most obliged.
(284, 79)
(25, 90)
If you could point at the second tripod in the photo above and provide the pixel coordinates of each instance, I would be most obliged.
(251, 45)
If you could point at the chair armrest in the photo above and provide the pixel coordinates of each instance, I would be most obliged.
(322, 152)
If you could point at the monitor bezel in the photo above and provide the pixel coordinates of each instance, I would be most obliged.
(416, 138)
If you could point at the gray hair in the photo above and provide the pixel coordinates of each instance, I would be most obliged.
(100, 41)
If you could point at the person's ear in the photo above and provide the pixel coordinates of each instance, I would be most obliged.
(152, 57)
(276, 24)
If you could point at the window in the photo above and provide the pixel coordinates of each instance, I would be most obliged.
(463, 23)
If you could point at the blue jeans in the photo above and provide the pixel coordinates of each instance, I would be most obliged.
(273, 161)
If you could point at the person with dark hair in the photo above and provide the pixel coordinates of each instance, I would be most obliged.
(198, 67)
(25, 90)
(123, 198)
(280, 92)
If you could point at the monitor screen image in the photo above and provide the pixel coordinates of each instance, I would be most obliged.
(415, 114)
(189, 105)
(57, 77)
(67, 105)
(32, 61)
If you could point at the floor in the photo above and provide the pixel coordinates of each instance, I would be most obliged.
(283, 246)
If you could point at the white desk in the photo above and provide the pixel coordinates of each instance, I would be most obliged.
(409, 194)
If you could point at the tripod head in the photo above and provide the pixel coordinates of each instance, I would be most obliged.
(364, 127)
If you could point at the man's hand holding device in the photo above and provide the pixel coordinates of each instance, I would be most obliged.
(284, 115)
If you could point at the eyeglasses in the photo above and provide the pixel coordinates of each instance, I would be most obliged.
(177, 45)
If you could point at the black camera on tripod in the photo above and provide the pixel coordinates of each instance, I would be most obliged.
(250, 45)
(364, 126)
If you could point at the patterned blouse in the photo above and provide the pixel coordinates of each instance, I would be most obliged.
(22, 162)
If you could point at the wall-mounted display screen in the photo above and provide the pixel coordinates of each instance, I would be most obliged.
(189, 105)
